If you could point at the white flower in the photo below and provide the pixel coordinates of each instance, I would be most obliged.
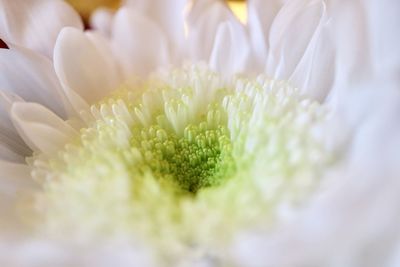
(173, 135)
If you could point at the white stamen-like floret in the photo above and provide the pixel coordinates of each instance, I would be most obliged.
(186, 159)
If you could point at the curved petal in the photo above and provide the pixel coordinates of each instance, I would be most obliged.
(203, 22)
(231, 49)
(287, 46)
(359, 200)
(315, 72)
(84, 64)
(139, 43)
(168, 15)
(101, 20)
(35, 24)
(31, 76)
(350, 34)
(384, 24)
(366, 43)
(260, 16)
(12, 147)
(41, 129)
(13, 179)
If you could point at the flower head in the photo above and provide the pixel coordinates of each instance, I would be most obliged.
(153, 135)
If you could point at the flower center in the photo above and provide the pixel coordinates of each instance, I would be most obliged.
(187, 146)
(200, 158)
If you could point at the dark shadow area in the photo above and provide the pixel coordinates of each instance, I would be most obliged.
(3, 44)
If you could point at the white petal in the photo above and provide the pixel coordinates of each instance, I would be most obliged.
(12, 147)
(35, 251)
(13, 179)
(35, 24)
(366, 35)
(84, 63)
(101, 20)
(231, 49)
(139, 43)
(315, 72)
(7, 152)
(41, 129)
(260, 16)
(384, 24)
(203, 22)
(350, 34)
(168, 15)
(358, 200)
(290, 35)
(31, 76)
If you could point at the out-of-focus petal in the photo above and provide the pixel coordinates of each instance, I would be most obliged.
(353, 219)
(13, 178)
(260, 16)
(203, 21)
(350, 36)
(35, 24)
(101, 20)
(290, 34)
(41, 129)
(31, 76)
(315, 73)
(384, 24)
(169, 16)
(230, 53)
(84, 63)
(12, 147)
(31, 251)
(138, 43)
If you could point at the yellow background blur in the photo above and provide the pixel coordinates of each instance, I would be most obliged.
(85, 7)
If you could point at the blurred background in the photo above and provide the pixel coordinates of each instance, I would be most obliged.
(85, 7)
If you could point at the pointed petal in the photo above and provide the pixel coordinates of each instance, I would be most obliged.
(139, 43)
(168, 15)
(315, 72)
(101, 20)
(12, 147)
(350, 34)
(41, 129)
(31, 76)
(287, 46)
(231, 49)
(260, 16)
(35, 24)
(203, 22)
(84, 63)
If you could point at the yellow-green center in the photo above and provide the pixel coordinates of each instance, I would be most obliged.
(200, 158)
(188, 147)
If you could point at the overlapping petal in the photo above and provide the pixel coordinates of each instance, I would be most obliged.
(31, 76)
(35, 24)
(84, 64)
(139, 43)
(40, 128)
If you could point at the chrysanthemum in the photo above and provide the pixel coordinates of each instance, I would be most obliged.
(173, 135)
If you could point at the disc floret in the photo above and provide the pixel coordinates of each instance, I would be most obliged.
(187, 146)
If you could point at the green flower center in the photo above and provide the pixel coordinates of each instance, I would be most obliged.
(156, 159)
(200, 158)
